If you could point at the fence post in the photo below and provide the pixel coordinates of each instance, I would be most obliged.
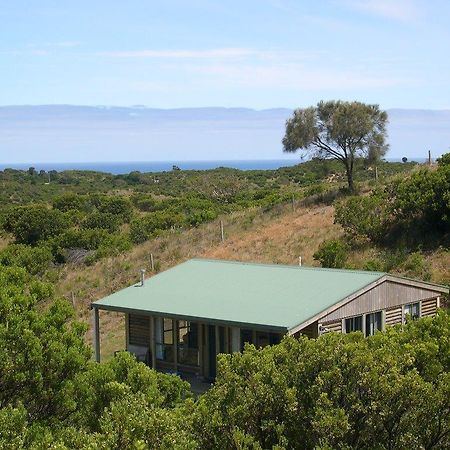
(152, 262)
(222, 236)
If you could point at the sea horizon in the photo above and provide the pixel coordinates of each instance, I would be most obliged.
(125, 167)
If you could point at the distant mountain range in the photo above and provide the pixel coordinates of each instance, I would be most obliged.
(66, 133)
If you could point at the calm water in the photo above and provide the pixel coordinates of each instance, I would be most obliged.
(156, 166)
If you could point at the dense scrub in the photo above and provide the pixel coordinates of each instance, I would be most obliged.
(84, 216)
(389, 391)
(401, 220)
(408, 211)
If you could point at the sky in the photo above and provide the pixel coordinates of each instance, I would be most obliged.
(257, 54)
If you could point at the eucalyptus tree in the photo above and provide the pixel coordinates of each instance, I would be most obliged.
(338, 130)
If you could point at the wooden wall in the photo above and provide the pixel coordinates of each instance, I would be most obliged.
(429, 307)
(335, 326)
(310, 331)
(139, 330)
(385, 296)
(394, 315)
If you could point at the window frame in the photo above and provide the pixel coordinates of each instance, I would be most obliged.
(364, 323)
(412, 304)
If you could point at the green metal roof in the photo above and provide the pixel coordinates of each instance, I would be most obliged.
(260, 295)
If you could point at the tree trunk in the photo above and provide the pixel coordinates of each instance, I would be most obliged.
(349, 172)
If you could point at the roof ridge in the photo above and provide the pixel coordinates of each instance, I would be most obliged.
(253, 263)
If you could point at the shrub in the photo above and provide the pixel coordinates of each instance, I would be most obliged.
(363, 217)
(416, 266)
(150, 225)
(30, 224)
(145, 202)
(69, 201)
(444, 160)
(34, 260)
(118, 206)
(374, 265)
(332, 253)
(340, 391)
(422, 201)
(101, 220)
(86, 239)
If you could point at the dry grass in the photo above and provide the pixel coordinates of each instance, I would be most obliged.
(279, 235)
(282, 239)
(440, 266)
(4, 242)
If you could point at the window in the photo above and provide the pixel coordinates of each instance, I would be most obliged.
(373, 323)
(353, 324)
(188, 353)
(164, 339)
(263, 339)
(412, 310)
(246, 336)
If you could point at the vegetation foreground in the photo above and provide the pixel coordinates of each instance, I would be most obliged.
(391, 390)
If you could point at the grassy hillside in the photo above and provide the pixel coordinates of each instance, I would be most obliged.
(279, 235)
(103, 228)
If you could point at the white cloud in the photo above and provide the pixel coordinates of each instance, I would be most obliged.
(402, 10)
(296, 76)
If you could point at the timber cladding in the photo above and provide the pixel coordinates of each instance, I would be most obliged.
(139, 330)
(384, 296)
(335, 326)
(429, 307)
(394, 315)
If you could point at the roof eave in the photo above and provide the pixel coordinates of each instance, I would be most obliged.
(219, 322)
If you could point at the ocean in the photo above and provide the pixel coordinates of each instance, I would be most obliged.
(117, 168)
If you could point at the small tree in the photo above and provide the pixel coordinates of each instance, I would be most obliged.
(332, 254)
(338, 130)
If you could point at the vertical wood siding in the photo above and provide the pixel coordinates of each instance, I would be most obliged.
(382, 297)
(139, 330)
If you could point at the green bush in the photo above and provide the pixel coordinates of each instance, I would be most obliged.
(412, 211)
(363, 217)
(102, 221)
(34, 223)
(374, 265)
(148, 226)
(444, 160)
(341, 391)
(34, 260)
(69, 201)
(422, 201)
(145, 203)
(332, 253)
(86, 239)
(121, 207)
(416, 266)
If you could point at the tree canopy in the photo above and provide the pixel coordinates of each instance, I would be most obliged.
(338, 130)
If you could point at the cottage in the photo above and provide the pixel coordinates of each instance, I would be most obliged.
(180, 319)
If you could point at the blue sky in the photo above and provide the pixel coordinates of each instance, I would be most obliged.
(258, 54)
